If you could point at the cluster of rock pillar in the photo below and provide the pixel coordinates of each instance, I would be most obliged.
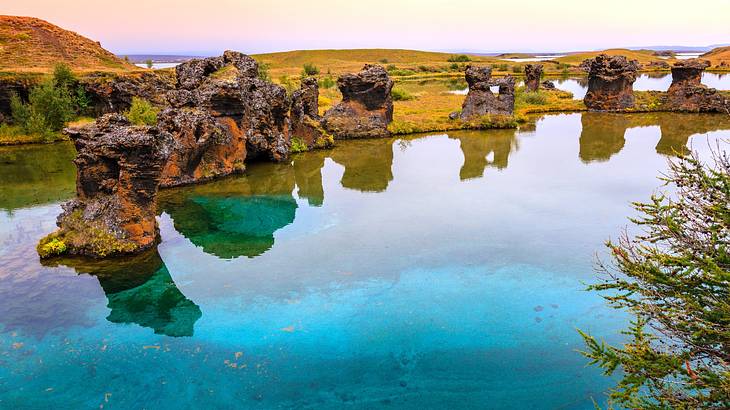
(611, 79)
(480, 100)
(218, 115)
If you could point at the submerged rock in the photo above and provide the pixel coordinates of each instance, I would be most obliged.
(366, 108)
(119, 167)
(305, 120)
(533, 73)
(687, 93)
(481, 100)
(610, 82)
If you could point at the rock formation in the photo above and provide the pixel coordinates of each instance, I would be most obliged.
(687, 93)
(481, 100)
(305, 120)
(366, 108)
(548, 85)
(119, 167)
(266, 119)
(109, 94)
(533, 73)
(610, 83)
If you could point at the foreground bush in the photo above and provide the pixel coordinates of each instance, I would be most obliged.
(141, 112)
(400, 94)
(674, 278)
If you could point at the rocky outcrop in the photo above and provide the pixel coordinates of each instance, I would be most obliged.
(119, 167)
(266, 119)
(610, 83)
(19, 85)
(305, 120)
(533, 73)
(687, 93)
(548, 85)
(109, 94)
(366, 108)
(481, 100)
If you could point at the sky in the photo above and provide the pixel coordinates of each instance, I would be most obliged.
(207, 27)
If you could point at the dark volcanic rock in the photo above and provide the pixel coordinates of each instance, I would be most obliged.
(610, 83)
(366, 108)
(305, 120)
(266, 119)
(204, 147)
(114, 94)
(687, 93)
(533, 73)
(14, 85)
(481, 100)
(548, 85)
(119, 167)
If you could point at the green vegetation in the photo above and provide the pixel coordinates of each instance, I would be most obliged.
(227, 73)
(297, 145)
(141, 112)
(534, 98)
(289, 85)
(383, 61)
(517, 69)
(461, 58)
(400, 94)
(309, 70)
(674, 277)
(148, 63)
(51, 104)
(84, 237)
(264, 71)
(327, 81)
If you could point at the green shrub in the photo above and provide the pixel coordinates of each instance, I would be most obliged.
(309, 70)
(50, 107)
(264, 71)
(517, 69)
(51, 246)
(297, 145)
(383, 61)
(148, 63)
(141, 112)
(454, 67)
(391, 67)
(327, 82)
(400, 94)
(461, 58)
(535, 98)
(503, 67)
(288, 84)
(63, 76)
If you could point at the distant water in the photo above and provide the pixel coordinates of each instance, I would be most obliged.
(536, 58)
(438, 271)
(157, 66)
(645, 82)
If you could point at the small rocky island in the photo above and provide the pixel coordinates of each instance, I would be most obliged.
(217, 116)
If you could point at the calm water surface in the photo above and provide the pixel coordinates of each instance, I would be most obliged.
(645, 82)
(440, 271)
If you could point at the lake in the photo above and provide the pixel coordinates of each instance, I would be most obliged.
(644, 82)
(430, 271)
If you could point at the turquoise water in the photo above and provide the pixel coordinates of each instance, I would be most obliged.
(439, 271)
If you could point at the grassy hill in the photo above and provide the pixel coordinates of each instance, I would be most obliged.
(29, 44)
(643, 56)
(342, 61)
(717, 56)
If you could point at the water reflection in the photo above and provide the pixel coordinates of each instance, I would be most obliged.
(140, 290)
(602, 134)
(482, 150)
(236, 216)
(308, 176)
(36, 175)
(368, 164)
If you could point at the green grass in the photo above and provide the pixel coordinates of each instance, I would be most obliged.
(400, 94)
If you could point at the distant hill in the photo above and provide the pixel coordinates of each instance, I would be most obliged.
(341, 61)
(643, 56)
(34, 45)
(718, 56)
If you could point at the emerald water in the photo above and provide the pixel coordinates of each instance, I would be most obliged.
(435, 271)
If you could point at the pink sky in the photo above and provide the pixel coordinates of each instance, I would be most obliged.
(210, 26)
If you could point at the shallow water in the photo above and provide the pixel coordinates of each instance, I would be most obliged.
(440, 271)
(645, 82)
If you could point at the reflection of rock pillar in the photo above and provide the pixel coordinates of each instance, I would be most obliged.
(140, 290)
(367, 164)
(477, 146)
(308, 175)
(602, 135)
